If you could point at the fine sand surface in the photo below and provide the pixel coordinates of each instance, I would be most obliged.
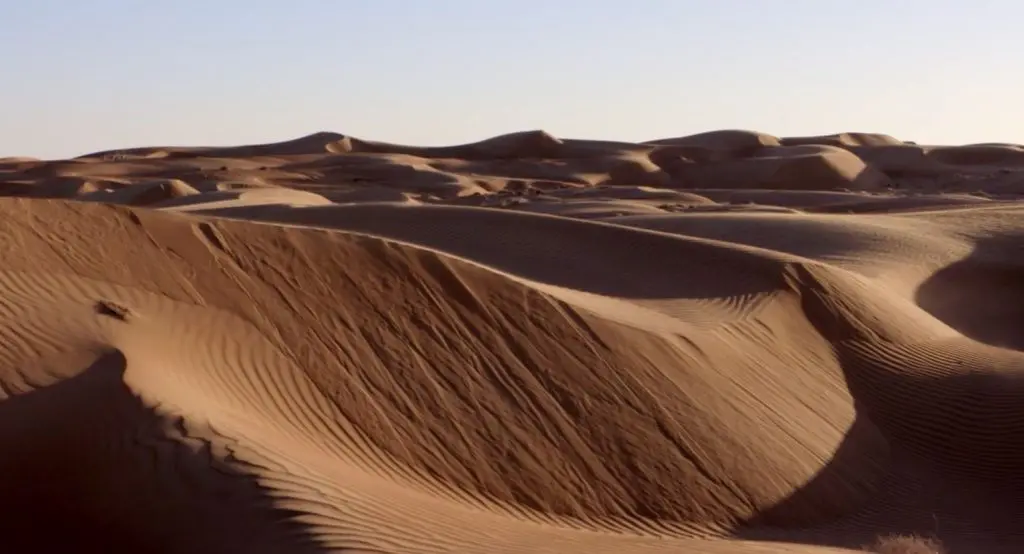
(726, 342)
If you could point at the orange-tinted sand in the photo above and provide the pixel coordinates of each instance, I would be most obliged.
(728, 342)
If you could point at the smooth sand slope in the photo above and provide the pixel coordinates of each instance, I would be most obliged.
(726, 342)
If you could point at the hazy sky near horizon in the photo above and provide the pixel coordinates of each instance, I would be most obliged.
(102, 74)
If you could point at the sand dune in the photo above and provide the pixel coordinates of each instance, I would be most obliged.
(726, 342)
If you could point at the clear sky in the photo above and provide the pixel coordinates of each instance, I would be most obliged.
(88, 75)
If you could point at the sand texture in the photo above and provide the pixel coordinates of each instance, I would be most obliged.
(726, 342)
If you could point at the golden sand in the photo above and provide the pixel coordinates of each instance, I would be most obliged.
(727, 342)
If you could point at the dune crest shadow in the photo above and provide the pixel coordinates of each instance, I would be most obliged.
(88, 466)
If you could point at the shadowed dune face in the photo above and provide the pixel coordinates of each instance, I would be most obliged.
(844, 140)
(728, 342)
(88, 464)
(981, 295)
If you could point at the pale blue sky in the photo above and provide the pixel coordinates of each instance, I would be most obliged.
(89, 75)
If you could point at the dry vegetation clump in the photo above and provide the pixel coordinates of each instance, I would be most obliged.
(906, 544)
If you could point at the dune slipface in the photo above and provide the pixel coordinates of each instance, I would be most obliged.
(728, 342)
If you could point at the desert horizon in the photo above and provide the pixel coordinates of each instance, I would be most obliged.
(726, 342)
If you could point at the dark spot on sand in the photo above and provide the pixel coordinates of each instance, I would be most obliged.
(113, 309)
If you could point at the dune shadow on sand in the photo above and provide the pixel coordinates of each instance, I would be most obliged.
(87, 466)
(950, 411)
(795, 518)
(982, 296)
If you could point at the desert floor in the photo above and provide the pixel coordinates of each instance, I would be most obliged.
(726, 342)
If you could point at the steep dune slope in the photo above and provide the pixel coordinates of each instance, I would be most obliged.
(532, 403)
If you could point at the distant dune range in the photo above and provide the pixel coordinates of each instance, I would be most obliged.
(725, 342)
